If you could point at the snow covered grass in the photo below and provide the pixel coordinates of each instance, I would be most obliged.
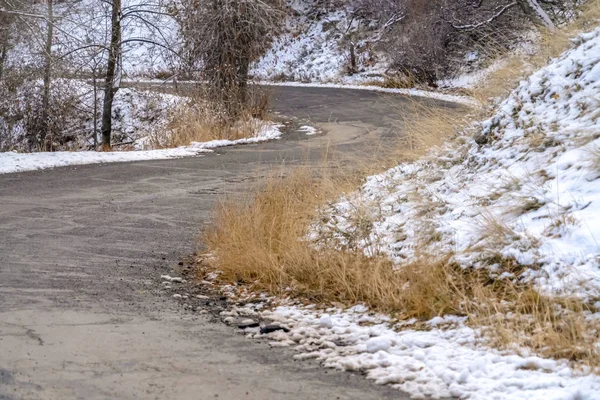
(442, 359)
(512, 196)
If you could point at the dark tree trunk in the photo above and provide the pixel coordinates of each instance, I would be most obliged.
(110, 85)
(3, 51)
(353, 67)
(242, 79)
(45, 134)
(95, 85)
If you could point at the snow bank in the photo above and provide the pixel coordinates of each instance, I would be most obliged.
(440, 363)
(18, 162)
(524, 187)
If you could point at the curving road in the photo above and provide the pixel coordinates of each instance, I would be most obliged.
(81, 248)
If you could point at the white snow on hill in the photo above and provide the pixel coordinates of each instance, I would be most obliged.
(311, 49)
(150, 38)
(531, 192)
(526, 187)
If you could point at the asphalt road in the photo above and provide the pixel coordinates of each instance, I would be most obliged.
(82, 249)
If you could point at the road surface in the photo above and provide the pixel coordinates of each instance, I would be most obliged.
(82, 248)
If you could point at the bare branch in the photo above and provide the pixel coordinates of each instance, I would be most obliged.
(487, 21)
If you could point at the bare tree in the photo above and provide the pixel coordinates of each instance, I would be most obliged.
(111, 84)
(45, 131)
(222, 38)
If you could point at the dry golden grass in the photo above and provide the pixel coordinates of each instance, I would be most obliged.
(551, 327)
(551, 44)
(262, 241)
(424, 127)
(201, 121)
(593, 159)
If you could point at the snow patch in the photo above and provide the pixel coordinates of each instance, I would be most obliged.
(19, 162)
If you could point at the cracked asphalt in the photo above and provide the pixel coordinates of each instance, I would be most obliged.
(82, 250)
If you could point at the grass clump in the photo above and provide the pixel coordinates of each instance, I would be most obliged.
(200, 120)
(263, 241)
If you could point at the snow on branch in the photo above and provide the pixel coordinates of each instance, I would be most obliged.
(487, 21)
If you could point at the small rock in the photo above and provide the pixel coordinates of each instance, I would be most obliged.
(202, 297)
(177, 280)
(229, 320)
(185, 297)
(482, 139)
(228, 314)
(273, 328)
(177, 296)
(248, 323)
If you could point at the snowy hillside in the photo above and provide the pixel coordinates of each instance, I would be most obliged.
(150, 38)
(520, 188)
(531, 169)
(135, 114)
(313, 48)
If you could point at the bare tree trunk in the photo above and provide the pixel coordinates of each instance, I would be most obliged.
(536, 13)
(95, 85)
(111, 84)
(3, 51)
(353, 66)
(47, 79)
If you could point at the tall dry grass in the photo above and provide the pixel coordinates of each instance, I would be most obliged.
(550, 44)
(199, 120)
(263, 241)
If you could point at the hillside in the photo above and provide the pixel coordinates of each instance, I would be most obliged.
(493, 285)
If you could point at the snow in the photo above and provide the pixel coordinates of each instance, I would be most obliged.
(445, 362)
(470, 80)
(87, 22)
(308, 130)
(19, 162)
(135, 114)
(534, 178)
(310, 50)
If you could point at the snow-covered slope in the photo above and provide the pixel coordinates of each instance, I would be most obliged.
(136, 113)
(526, 186)
(82, 30)
(312, 49)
